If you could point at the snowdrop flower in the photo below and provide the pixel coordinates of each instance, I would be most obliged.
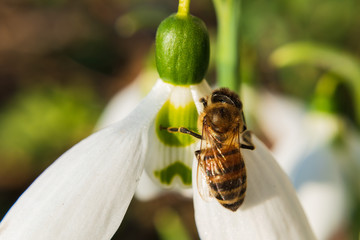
(85, 193)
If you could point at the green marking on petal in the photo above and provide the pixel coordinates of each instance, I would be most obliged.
(167, 174)
(171, 116)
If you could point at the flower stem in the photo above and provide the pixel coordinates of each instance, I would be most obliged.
(228, 47)
(184, 7)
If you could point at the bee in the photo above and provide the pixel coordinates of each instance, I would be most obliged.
(221, 171)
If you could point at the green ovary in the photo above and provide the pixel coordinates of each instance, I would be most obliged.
(167, 174)
(169, 116)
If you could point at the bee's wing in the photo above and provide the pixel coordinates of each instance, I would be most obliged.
(225, 161)
(202, 183)
(201, 176)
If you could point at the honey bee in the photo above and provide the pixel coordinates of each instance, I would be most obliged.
(221, 171)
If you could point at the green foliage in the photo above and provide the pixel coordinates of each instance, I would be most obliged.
(41, 123)
(95, 53)
(169, 225)
(229, 20)
(265, 26)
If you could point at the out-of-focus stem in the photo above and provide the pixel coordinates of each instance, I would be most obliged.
(228, 48)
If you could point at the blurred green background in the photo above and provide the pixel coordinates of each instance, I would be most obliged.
(61, 61)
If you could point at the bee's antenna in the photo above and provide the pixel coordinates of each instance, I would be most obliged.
(203, 101)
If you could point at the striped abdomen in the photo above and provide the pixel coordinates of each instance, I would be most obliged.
(226, 175)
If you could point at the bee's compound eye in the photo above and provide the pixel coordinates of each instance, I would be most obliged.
(226, 96)
(221, 98)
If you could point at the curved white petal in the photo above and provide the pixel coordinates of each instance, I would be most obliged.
(85, 193)
(118, 108)
(271, 209)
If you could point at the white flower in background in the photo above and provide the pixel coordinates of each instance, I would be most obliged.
(302, 144)
(85, 193)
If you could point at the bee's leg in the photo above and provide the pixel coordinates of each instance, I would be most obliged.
(250, 147)
(203, 101)
(246, 138)
(244, 123)
(181, 130)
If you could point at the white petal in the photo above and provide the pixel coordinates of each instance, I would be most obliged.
(118, 108)
(85, 193)
(271, 209)
(173, 162)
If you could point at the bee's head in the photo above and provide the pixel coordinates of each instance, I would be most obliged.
(222, 118)
(225, 111)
